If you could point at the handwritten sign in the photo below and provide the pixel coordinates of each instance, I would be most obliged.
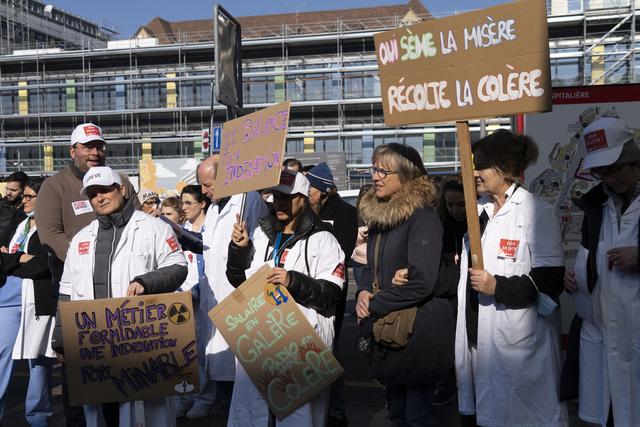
(484, 63)
(134, 348)
(251, 151)
(275, 344)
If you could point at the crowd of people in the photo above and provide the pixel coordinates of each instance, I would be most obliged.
(434, 327)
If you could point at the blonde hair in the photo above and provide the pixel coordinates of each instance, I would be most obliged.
(407, 171)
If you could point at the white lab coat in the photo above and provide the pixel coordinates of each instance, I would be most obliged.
(193, 277)
(610, 342)
(218, 226)
(248, 408)
(511, 378)
(143, 247)
(34, 334)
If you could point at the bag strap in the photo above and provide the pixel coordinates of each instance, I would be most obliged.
(376, 255)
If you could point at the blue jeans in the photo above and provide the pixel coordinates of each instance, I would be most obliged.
(37, 405)
(411, 406)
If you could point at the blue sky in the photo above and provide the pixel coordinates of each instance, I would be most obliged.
(128, 15)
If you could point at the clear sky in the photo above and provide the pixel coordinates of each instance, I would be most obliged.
(128, 15)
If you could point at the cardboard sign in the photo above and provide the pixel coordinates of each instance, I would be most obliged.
(484, 63)
(134, 348)
(252, 151)
(276, 345)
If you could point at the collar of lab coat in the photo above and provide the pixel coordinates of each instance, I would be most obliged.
(515, 196)
(132, 224)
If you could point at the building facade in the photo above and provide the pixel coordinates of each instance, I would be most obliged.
(152, 94)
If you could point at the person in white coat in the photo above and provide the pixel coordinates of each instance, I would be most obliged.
(508, 328)
(27, 326)
(123, 252)
(607, 276)
(307, 259)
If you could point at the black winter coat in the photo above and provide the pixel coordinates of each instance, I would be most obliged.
(411, 237)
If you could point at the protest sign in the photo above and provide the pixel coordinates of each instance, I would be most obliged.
(252, 151)
(276, 345)
(484, 63)
(134, 348)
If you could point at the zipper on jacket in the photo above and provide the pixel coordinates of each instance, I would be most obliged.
(113, 242)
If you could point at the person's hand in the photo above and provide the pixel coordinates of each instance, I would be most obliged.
(570, 284)
(60, 357)
(134, 289)
(624, 258)
(401, 277)
(25, 258)
(240, 237)
(362, 305)
(482, 281)
(4, 250)
(279, 276)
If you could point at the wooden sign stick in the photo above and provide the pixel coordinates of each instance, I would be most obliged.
(470, 197)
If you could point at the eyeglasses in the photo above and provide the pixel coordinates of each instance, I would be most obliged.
(150, 203)
(599, 172)
(381, 172)
(189, 202)
(29, 197)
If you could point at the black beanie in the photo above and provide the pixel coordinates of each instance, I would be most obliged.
(410, 154)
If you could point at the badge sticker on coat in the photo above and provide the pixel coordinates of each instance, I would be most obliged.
(14, 248)
(81, 207)
(83, 248)
(173, 244)
(339, 271)
(508, 248)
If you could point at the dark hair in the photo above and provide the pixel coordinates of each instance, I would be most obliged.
(509, 154)
(292, 161)
(196, 192)
(307, 168)
(34, 183)
(449, 183)
(20, 177)
(362, 192)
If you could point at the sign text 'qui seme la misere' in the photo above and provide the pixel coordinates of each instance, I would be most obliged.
(485, 63)
(133, 348)
(251, 151)
(276, 345)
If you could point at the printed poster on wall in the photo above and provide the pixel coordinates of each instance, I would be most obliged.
(133, 348)
(276, 345)
(484, 63)
(252, 150)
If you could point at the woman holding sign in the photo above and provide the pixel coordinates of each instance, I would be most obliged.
(308, 261)
(507, 336)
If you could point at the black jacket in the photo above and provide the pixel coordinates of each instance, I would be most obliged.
(320, 295)
(10, 218)
(36, 269)
(410, 237)
(345, 222)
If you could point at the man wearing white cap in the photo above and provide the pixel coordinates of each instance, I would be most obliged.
(123, 252)
(608, 268)
(61, 211)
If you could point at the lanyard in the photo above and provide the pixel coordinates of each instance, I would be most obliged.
(276, 248)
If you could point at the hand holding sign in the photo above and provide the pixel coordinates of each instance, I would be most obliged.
(134, 289)
(279, 276)
(240, 237)
(482, 281)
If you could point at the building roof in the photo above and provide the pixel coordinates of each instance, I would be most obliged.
(297, 23)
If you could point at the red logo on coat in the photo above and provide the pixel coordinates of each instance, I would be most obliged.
(83, 248)
(173, 244)
(339, 271)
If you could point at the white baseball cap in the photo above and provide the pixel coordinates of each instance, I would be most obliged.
(292, 182)
(604, 140)
(85, 133)
(145, 195)
(100, 175)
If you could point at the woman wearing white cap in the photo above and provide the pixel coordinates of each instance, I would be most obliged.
(307, 259)
(607, 269)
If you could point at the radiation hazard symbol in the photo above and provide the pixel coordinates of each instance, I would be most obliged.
(179, 313)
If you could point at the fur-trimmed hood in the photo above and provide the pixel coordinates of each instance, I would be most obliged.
(419, 193)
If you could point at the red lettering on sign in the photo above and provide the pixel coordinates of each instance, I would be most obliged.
(83, 248)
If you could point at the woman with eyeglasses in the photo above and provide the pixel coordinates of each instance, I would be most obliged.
(508, 329)
(404, 232)
(27, 308)
(194, 207)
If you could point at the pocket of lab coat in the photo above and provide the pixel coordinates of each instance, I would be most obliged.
(517, 327)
